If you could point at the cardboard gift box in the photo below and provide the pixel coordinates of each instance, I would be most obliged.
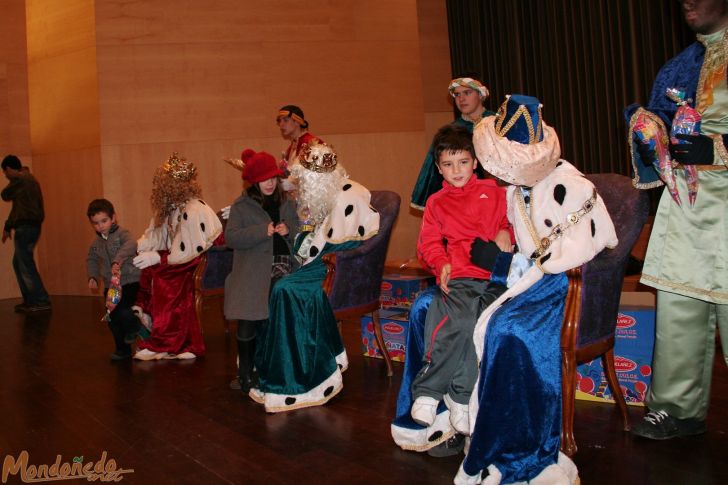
(633, 345)
(400, 290)
(394, 330)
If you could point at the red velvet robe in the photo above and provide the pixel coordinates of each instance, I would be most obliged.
(175, 328)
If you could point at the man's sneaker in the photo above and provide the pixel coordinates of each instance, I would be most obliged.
(658, 425)
(459, 415)
(20, 308)
(424, 410)
(36, 307)
(451, 447)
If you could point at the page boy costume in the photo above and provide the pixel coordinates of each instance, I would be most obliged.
(687, 254)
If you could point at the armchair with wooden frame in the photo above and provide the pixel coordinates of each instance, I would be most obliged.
(354, 278)
(214, 266)
(592, 301)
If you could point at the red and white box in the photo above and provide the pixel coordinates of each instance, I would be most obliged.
(394, 330)
(633, 346)
(401, 290)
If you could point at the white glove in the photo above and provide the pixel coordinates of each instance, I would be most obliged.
(225, 213)
(146, 259)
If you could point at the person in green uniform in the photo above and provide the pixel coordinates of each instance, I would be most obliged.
(687, 255)
(469, 94)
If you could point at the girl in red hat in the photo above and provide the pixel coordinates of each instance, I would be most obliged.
(260, 230)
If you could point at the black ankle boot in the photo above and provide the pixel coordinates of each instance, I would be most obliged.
(246, 358)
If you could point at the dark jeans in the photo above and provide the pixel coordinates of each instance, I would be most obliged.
(122, 321)
(31, 286)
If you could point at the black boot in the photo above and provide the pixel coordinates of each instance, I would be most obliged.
(246, 359)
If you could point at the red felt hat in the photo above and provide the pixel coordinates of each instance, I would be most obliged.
(259, 166)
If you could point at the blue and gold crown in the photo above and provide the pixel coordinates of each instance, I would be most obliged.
(516, 145)
(519, 119)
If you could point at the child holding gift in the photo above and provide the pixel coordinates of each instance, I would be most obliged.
(111, 255)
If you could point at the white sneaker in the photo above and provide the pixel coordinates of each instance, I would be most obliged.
(186, 356)
(459, 415)
(146, 354)
(424, 410)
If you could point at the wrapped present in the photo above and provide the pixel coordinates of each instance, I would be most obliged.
(686, 122)
(113, 295)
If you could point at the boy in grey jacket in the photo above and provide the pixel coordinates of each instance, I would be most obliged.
(113, 250)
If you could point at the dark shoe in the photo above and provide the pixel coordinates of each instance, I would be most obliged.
(658, 425)
(20, 308)
(120, 355)
(235, 385)
(38, 307)
(451, 447)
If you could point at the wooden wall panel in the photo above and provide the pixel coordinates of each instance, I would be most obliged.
(207, 91)
(69, 180)
(116, 86)
(435, 55)
(64, 125)
(14, 123)
(209, 83)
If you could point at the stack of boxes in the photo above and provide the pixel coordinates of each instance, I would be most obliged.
(633, 345)
(399, 291)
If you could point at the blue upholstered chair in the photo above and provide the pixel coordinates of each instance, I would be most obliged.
(354, 278)
(592, 302)
(210, 274)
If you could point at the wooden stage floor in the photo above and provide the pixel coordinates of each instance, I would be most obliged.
(177, 422)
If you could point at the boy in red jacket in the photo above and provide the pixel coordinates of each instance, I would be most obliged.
(464, 210)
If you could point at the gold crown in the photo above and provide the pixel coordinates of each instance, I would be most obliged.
(318, 157)
(179, 168)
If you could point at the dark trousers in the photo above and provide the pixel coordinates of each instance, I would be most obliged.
(122, 321)
(31, 286)
(450, 364)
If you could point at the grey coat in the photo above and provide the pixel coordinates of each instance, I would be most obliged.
(120, 247)
(248, 284)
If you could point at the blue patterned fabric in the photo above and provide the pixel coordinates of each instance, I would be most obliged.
(518, 425)
(413, 363)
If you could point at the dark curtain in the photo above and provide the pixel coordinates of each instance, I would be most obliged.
(585, 61)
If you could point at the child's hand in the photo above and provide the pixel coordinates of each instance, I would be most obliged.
(503, 241)
(282, 229)
(445, 278)
(92, 284)
(271, 229)
(115, 269)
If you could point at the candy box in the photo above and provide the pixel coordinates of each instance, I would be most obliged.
(633, 345)
(394, 330)
(400, 290)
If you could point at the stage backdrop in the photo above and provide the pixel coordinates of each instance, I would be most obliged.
(585, 61)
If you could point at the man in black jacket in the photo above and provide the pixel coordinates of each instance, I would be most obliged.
(25, 219)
